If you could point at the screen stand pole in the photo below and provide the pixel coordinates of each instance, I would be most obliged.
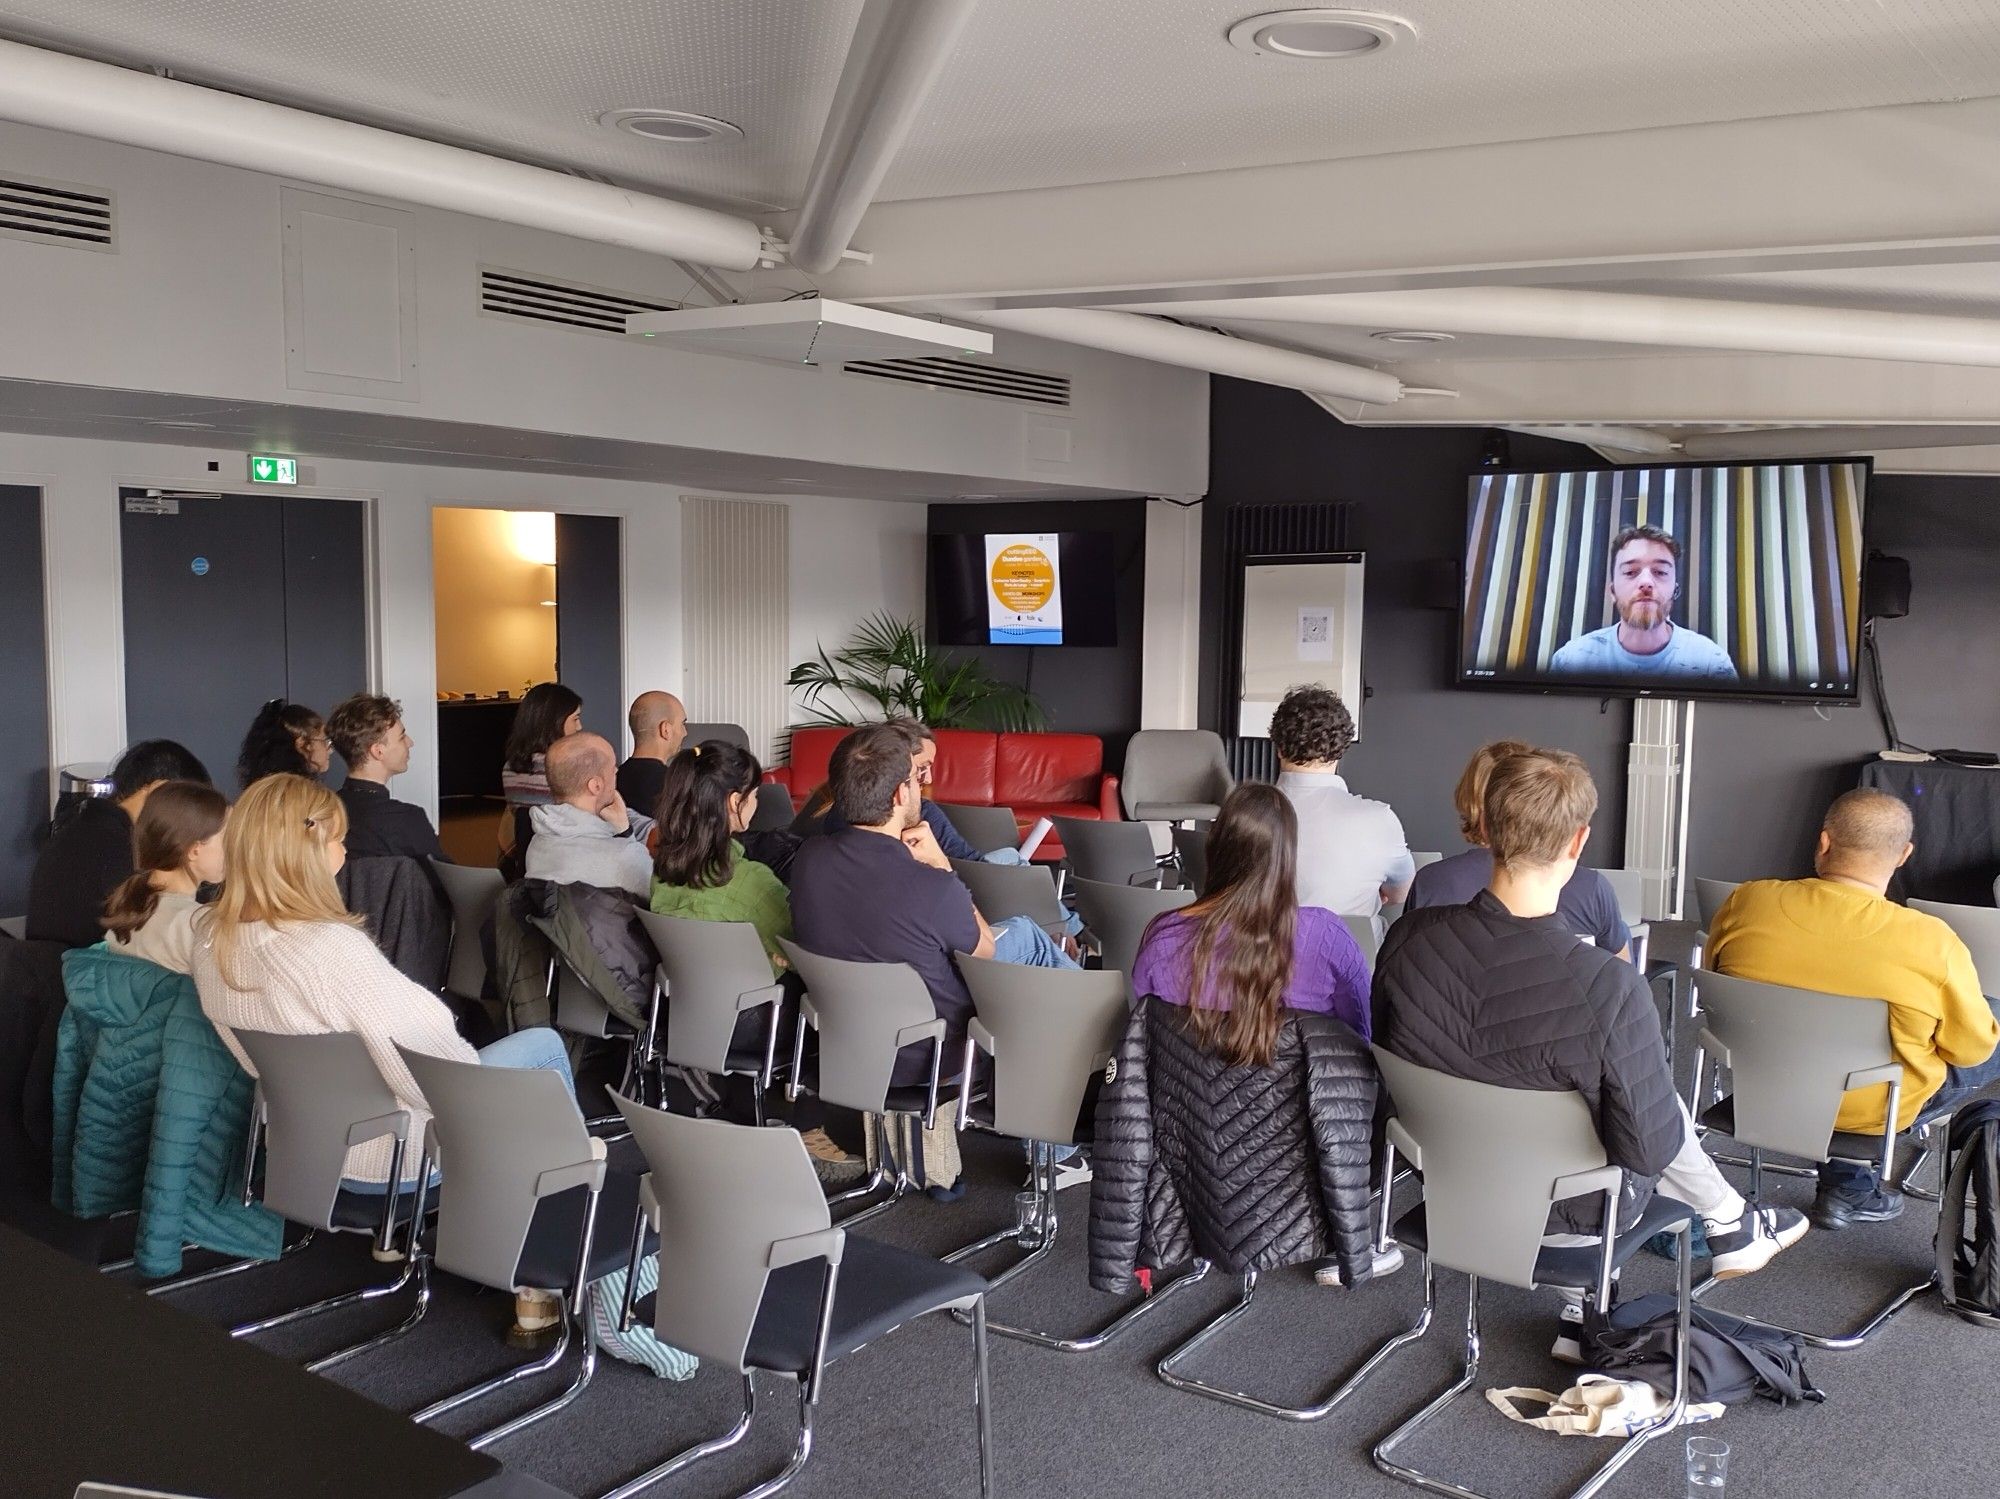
(1659, 769)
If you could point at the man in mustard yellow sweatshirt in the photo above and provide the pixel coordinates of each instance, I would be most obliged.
(1839, 933)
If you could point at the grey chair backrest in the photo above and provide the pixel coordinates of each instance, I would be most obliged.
(1421, 859)
(728, 733)
(730, 1197)
(1191, 847)
(773, 811)
(322, 1095)
(505, 1138)
(985, 828)
(1003, 890)
(865, 1013)
(1629, 887)
(707, 967)
(1185, 766)
(1049, 1031)
(1792, 1053)
(1978, 927)
(1118, 853)
(1363, 928)
(1708, 898)
(473, 893)
(1492, 1160)
(1116, 915)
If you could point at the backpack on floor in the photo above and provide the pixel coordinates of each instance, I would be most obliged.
(1729, 1359)
(1968, 1242)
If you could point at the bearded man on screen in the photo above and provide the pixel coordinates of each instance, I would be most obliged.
(1644, 582)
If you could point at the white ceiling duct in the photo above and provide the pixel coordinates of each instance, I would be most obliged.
(1191, 348)
(899, 48)
(1629, 318)
(110, 103)
(1638, 440)
(1827, 442)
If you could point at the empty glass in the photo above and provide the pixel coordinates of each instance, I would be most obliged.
(1707, 1467)
(1028, 1219)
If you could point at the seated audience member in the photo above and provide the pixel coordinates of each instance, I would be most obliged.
(587, 835)
(1353, 857)
(178, 848)
(287, 737)
(659, 729)
(1588, 905)
(826, 817)
(548, 712)
(1839, 933)
(1499, 990)
(368, 731)
(699, 868)
(89, 852)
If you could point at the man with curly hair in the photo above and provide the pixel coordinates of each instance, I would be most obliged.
(1353, 857)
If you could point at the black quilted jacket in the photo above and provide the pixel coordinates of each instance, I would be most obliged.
(1480, 993)
(1247, 1167)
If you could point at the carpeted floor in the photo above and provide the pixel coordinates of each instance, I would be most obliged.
(1913, 1412)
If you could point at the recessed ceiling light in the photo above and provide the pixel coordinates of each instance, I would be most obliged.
(673, 127)
(1319, 34)
(1412, 336)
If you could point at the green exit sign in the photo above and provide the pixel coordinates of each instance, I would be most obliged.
(267, 468)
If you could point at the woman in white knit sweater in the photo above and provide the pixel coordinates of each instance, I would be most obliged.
(277, 951)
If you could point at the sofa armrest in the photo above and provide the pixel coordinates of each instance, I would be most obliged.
(1107, 800)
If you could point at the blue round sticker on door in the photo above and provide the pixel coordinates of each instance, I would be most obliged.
(199, 567)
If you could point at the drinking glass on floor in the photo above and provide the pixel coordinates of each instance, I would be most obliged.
(1707, 1467)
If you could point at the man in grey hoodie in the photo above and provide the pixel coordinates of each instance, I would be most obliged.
(587, 835)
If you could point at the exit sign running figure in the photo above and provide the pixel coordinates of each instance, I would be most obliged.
(268, 469)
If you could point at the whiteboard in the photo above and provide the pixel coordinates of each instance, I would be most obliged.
(1301, 627)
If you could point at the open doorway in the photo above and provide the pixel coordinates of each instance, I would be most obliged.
(521, 596)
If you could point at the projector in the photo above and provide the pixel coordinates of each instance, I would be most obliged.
(811, 330)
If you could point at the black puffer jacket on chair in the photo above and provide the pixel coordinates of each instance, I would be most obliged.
(1249, 1168)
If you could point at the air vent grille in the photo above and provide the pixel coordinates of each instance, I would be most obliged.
(57, 213)
(539, 299)
(968, 377)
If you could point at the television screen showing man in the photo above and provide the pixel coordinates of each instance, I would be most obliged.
(1643, 584)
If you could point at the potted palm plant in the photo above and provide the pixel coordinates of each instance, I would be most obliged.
(887, 664)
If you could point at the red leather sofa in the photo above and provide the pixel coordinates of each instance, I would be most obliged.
(1038, 775)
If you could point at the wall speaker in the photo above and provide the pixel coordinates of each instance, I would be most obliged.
(1885, 587)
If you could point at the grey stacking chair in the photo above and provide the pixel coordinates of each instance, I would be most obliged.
(864, 1015)
(1709, 896)
(985, 828)
(758, 1279)
(1792, 1054)
(1116, 916)
(473, 893)
(317, 1097)
(1046, 1033)
(1492, 1160)
(15, 927)
(728, 733)
(1425, 858)
(1978, 927)
(1629, 886)
(1191, 854)
(576, 1007)
(773, 812)
(1174, 775)
(1363, 928)
(1003, 890)
(524, 1198)
(712, 975)
(1116, 853)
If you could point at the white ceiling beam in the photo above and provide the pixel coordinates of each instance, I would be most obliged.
(1812, 442)
(1903, 185)
(1629, 318)
(899, 49)
(1627, 442)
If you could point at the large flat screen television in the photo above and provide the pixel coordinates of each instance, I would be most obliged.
(1691, 580)
(1024, 588)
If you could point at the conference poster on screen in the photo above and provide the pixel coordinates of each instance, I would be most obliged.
(1023, 588)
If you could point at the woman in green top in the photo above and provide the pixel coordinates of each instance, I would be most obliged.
(699, 869)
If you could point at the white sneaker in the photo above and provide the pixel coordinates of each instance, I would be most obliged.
(1387, 1262)
(1074, 1172)
(1754, 1240)
(1568, 1346)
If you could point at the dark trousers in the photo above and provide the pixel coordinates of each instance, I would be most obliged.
(1852, 1179)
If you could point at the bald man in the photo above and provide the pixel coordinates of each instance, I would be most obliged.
(1839, 933)
(587, 835)
(659, 727)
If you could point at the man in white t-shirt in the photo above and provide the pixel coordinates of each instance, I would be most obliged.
(1353, 856)
(1644, 582)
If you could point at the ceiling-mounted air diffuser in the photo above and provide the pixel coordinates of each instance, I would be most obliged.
(807, 331)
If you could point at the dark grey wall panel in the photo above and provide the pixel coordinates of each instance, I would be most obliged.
(24, 688)
(326, 605)
(590, 636)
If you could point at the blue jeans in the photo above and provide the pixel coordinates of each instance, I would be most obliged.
(1020, 939)
(1851, 1178)
(538, 1047)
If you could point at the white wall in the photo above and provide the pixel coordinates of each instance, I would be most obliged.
(849, 558)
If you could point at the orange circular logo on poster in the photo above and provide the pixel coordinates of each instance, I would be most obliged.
(1024, 579)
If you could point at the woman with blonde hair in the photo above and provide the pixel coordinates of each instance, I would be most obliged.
(177, 848)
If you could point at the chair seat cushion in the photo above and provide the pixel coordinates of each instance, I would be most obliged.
(746, 1059)
(1844, 1146)
(548, 1258)
(910, 1099)
(1571, 1266)
(361, 1212)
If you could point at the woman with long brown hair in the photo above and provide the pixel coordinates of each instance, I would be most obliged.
(177, 848)
(1246, 952)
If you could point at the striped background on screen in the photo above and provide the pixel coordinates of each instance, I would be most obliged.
(1770, 570)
